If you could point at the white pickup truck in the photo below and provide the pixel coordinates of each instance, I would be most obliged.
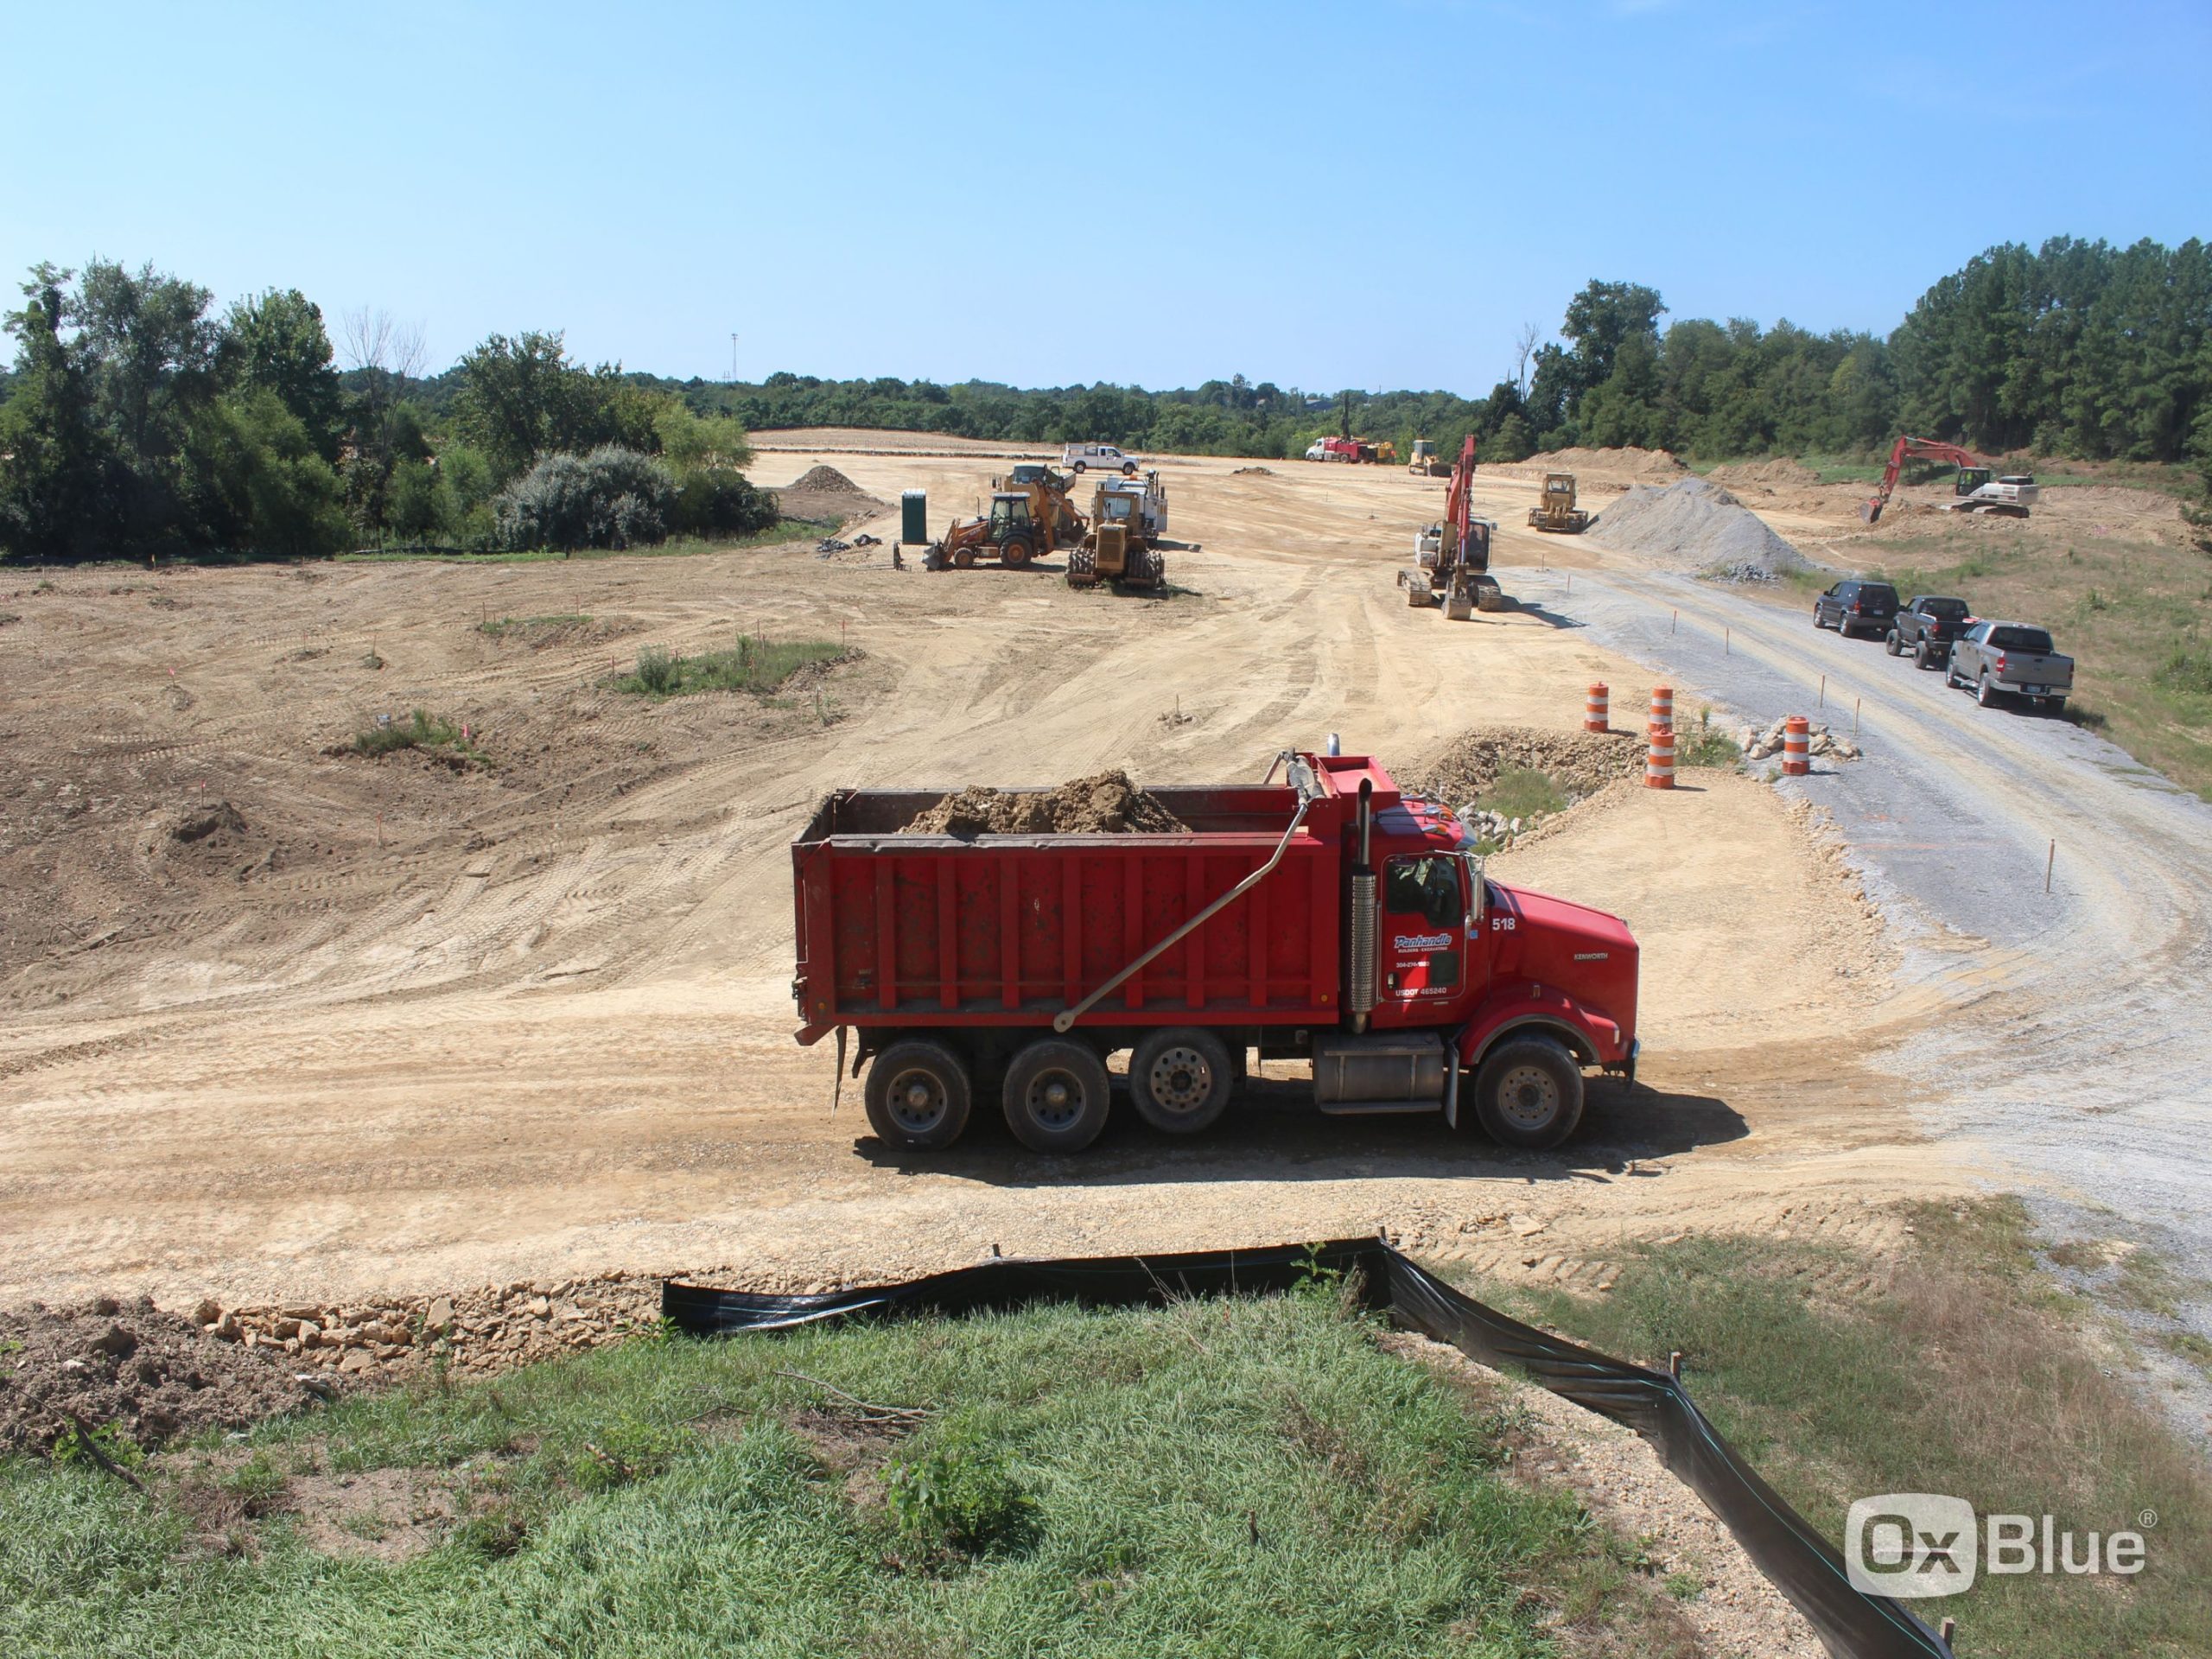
(2000, 659)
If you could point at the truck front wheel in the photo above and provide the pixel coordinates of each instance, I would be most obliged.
(1528, 1093)
(1180, 1079)
(917, 1096)
(1056, 1095)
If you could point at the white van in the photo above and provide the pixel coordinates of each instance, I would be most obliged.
(1080, 457)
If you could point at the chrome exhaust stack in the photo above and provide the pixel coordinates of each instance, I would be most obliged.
(1359, 992)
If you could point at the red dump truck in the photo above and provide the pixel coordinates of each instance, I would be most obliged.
(1329, 918)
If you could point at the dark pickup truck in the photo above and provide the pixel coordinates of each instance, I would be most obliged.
(1926, 628)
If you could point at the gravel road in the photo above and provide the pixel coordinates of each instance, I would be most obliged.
(2070, 1036)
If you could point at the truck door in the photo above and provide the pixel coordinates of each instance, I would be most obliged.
(1420, 961)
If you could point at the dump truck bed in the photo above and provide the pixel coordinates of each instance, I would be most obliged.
(934, 929)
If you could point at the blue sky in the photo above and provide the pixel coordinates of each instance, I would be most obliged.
(1366, 195)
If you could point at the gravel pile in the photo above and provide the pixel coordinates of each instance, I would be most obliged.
(1105, 804)
(824, 480)
(1694, 525)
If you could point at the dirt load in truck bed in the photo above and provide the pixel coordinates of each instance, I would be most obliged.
(1107, 803)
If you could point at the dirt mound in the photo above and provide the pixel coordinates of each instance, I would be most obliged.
(1580, 763)
(198, 823)
(1657, 465)
(826, 480)
(1694, 525)
(1777, 472)
(1105, 804)
(152, 1376)
(1256, 472)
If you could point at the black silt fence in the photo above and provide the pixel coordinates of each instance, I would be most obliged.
(1800, 1563)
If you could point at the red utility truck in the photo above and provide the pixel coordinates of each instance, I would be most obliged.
(1330, 918)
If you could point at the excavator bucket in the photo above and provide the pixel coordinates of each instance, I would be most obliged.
(1872, 512)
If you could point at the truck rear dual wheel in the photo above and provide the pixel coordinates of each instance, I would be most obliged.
(1056, 1095)
(1528, 1093)
(917, 1096)
(1180, 1079)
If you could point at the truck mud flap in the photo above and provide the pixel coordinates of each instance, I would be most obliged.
(1802, 1563)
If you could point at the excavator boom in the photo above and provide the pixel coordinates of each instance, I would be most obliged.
(1927, 450)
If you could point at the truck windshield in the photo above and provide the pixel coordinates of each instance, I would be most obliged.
(2034, 639)
(1427, 887)
(1949, 609)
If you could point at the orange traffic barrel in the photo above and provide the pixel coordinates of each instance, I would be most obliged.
(1796, 746)
(1663, 705)
(1597, 708)
(1659, 761)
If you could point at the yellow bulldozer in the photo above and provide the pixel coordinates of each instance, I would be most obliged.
(1557, 512)
(1118, 549)
(1427, 462)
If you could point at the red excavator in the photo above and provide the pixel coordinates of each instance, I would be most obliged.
(1454, 554)
(1978, 489)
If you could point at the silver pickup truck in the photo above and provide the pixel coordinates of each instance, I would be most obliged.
(1999, 659)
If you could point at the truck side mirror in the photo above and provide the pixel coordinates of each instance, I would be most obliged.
(1477, 890)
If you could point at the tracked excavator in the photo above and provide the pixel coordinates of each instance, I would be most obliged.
(1453, 568)
(1977, 488)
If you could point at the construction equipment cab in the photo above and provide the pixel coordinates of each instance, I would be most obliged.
(1098, 457)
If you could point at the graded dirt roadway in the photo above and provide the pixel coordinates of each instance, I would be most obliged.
(393, 1025)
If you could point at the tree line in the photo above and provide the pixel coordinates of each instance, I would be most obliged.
(134, 420)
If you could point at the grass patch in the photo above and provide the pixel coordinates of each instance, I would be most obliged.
(1966, 1373)
(527, 627)
(433, 735)
(1250, 1476)
(757, 665)
(1522, 792)
(1707, 745)
(678, 547)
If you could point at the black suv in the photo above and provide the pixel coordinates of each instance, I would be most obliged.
(1926, 627)
(1854, 604)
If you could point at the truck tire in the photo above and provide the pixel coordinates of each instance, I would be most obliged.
(1056, 1095)
(1920, 655)
(1128, 469)
(917, 1096)
(1894, 646)
(1528, 1093)
(1951, 674)
(1077, 467)
(1985, 691)
(1015, 551)
(1180, 1079)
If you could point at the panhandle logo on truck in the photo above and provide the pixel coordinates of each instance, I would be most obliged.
(1421, 941)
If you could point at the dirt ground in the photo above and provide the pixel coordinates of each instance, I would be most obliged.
(398, 1027)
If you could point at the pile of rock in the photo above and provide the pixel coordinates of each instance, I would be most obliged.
(493, 1328)
(1758, 744)
(1493, 827)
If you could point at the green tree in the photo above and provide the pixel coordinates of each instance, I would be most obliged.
(256, 482)
(275, 341)
(55, 462)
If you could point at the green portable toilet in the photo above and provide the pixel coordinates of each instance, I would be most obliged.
(914, 518)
